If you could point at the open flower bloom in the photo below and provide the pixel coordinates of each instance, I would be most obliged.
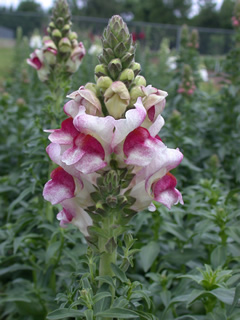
(75, 58)
(152, 161)
(82, 97)
(37, 62)
(74, 150)
(154, 101)
(73, 195)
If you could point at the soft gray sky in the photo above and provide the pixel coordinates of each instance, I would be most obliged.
(48, 3)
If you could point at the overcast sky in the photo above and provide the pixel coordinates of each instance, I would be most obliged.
(48, 3)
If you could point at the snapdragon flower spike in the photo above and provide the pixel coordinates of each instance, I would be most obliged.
(60, 47)
(113, 163)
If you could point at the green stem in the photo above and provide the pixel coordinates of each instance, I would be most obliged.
(105, 263)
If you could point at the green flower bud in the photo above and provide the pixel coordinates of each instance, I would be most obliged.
(73, 35)
(135, 93)
(92, 87)
(60, 22)
(114, 68)
(66, 27)
(65, 45)
(136, 67)
(104, 83)
(140, 81)
(52, 25)
(100, 70)
(127, 75)
(56, 33)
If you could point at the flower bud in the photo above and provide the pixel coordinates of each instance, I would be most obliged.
(140, 81)
(100, 70)
(92, 87)
(126, 75)
(52, 25)
(66, 27)
(116, 99)
(135, 93)
(65, 45)
(56, 33)
(114, 68)
(50, 52)
(104, 83)
(73, 35)
(136, 67)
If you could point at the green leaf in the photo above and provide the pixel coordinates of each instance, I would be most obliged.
(101, 295)
(119, 273)
(63, 313)
(88, 314)
(15, 267)
(106, 279)
(148, 254)
(218, 256)
(224, 295)
(14, 299)
(52, 249)
(118, 313)
(142, 294)
(235, 300)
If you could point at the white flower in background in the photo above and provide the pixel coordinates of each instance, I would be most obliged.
(35, 41)
(172, 62)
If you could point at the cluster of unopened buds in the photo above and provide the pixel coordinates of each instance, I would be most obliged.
(235, 21)
(60, 47)
(109, 154)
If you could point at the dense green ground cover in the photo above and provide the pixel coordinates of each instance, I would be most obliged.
(188, 259)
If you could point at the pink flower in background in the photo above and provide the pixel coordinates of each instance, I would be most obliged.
(36, 61)
(76, 57)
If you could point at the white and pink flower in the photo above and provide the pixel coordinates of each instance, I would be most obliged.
(73, 195)
(75, 59)
(36, 61)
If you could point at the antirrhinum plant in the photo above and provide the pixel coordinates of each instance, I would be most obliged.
(111, 165)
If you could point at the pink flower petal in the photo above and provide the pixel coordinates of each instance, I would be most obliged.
(66, 134)
(99, 127)
(165, 192)
(140, 147)
(60, 188)
(165, 160)
(73, 213)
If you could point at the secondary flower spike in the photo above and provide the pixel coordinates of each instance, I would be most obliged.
(112, 163)
(60, 50)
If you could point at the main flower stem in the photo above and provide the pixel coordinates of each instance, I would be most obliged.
(107, 256)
